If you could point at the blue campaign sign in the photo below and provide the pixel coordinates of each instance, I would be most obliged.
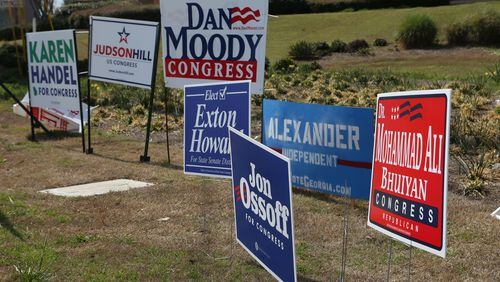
(328, 146)
(262, 199)
(208, 111)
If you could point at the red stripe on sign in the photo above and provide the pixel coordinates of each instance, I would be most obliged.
(355, 164)
(277, 150)
(237, 189)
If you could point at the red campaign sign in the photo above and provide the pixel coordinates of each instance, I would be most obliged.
(410, 168)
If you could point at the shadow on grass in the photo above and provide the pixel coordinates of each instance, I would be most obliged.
(55, 135)
(5, 223)
(161, 164)
(318, 196)
(359, 206)
(301, 277)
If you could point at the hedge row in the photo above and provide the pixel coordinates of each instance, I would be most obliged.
(80, 20)
(280, 7)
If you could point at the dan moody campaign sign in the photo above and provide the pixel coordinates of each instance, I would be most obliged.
(53, 74)
(410, 168)
(214, 40)
(327, 145)
(123, 51)
(263, 210)
(208, 110)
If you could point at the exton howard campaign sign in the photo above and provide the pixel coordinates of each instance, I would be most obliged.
(52, 71)
(410, 168)
(328, 146)
(208, 111)
(123, 51)
(217, 40)
(263, 210)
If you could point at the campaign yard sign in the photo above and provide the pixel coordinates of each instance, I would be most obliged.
(123, 51)
(327, 145)
(262, 198)
(207, 41)
(410, 168)
(52, 71)
(208, 110)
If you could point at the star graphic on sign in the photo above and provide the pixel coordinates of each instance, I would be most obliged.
(123, 36)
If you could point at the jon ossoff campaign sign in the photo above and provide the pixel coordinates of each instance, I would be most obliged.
(214, 40)
(123, 51)
(327, 145)
(410, 168)
(263, 205)
(53, 75)
(208, 110)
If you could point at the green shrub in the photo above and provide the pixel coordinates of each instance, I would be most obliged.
(321, 49)
(302, 50)
(284, 66)
(338, 46)
(308, 68)
(8, 55)
(356, 45)
(486, 28)
(417, 31)
(380, 42)
(459, 34)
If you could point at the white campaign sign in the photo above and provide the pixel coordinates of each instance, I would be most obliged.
(123, 51)
(53, 73)
(217, 40)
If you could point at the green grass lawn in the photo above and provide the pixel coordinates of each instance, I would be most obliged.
(347, 26)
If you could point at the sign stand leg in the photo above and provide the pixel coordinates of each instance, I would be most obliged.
(389, 261)
(344, 239)
(145, 158)
(90, 150)
(32, 122)
(79, 98)
(167, 94)
(28, 112)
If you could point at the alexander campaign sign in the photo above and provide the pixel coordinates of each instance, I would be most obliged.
(327, 145)
(123, 51)
(52, 71)
(263, 205)
(410, 168)
(208, 111)
(214, 40)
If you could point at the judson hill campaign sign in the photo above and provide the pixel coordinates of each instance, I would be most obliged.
(262, 196)
(207, 41)
(408, 199)
(123, 51)
(208, 111)
(52, 71)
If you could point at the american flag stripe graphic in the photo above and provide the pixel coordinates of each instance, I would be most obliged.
(244, 15)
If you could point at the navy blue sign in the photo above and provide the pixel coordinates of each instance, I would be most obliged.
(328, 146)
(208, 111)
(263, 205)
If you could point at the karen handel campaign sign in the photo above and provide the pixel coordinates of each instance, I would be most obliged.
(206, 41)
(410, 168)
(208, 111)
(262, 198)
(327, 145)
(123, 51)
(53, 75)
